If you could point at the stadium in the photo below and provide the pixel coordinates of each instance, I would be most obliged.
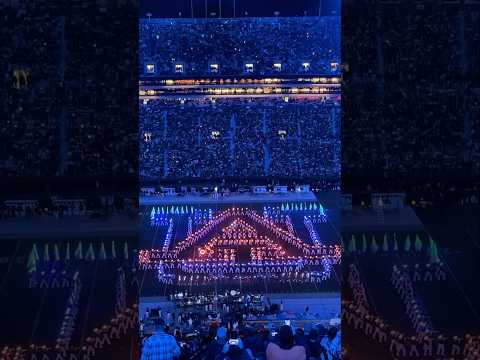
(68, 178)
(254, 245)
(201, 251)
(221, 103)
(54, 275)
(240, 169)
(397, 261)
(410, 265)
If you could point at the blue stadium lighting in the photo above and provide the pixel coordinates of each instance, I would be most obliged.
(224, 85)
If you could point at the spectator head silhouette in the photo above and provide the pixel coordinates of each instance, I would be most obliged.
(234, 352)
(285, 337)
(159, 324)
(332, 332)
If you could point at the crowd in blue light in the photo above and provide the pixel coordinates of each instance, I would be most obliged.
(232, 138)
(60, 114)
(413, 109)
(232, 43)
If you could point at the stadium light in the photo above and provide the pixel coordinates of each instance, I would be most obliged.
(150, 68)
(147, 136)
(179, 68)
(214, 68)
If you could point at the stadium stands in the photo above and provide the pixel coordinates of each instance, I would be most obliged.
(203, 325)
(200, 137)
(409, 108)
(61, 117)
(239, 139)
(309, 45)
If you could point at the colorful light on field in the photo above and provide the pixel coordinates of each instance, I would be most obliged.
(270, 245)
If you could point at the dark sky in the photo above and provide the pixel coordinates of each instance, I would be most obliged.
(182, 8)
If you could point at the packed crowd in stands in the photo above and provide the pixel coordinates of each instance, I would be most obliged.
(100, 76)
(410, 100)
(235, 327)
(239, 138)
(61, 115)
(232, 43)
(29, 59)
